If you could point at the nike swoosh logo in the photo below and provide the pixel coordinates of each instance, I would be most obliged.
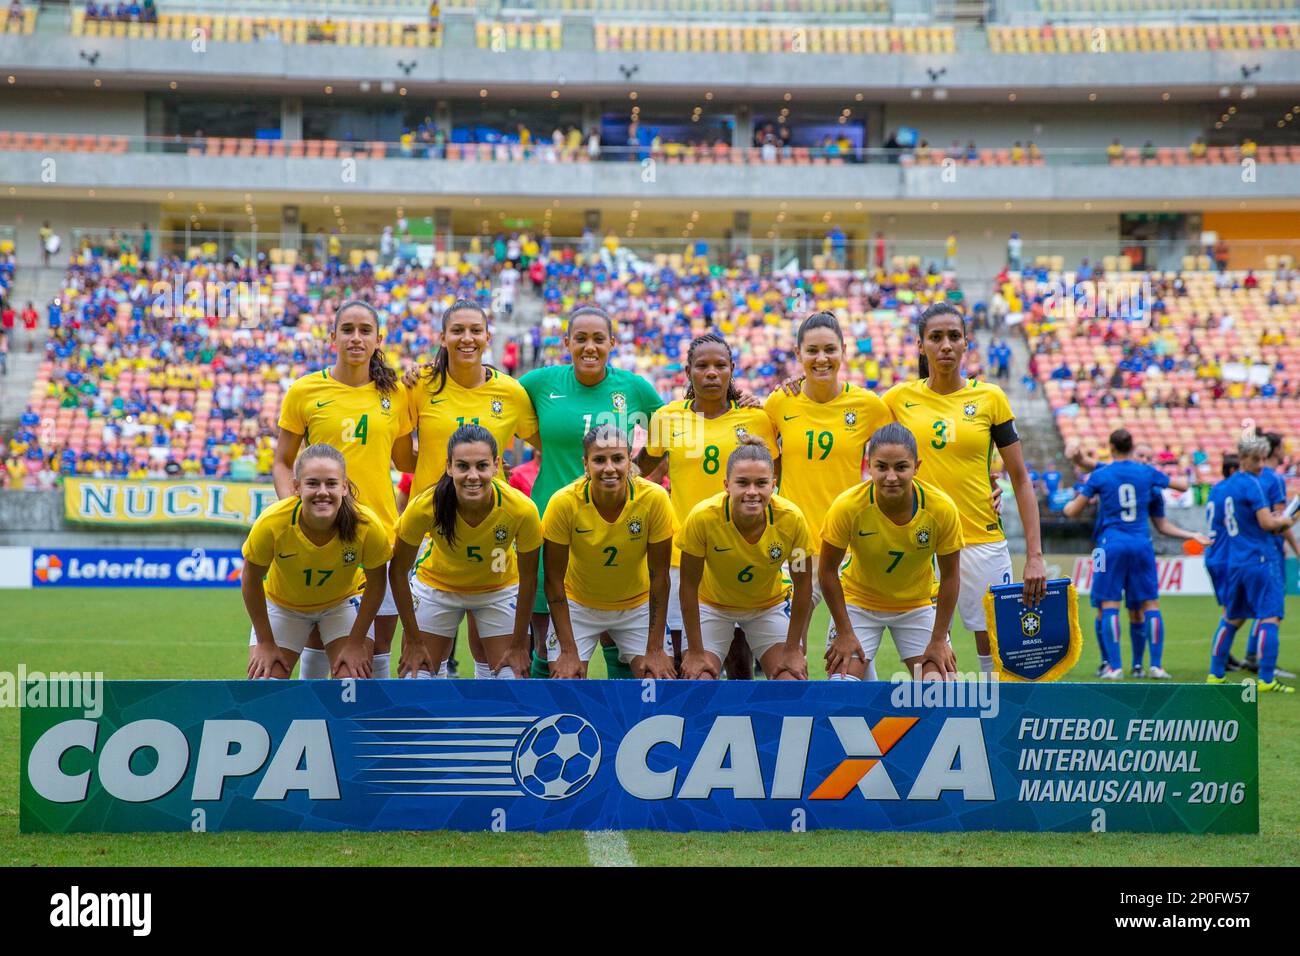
(323, 404)
(789, 418)
(294, 555)
(583, 530)
(678, 434)
(553, 395)
(910, 404)
(436, 401)
(867, 534)
(721, 549)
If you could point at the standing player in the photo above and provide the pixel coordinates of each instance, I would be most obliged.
(457, 389)
(1274, 485)
(570, 400)
(607, 554)
(1124, 562)
(958, 422)
(696, 435)
(1216, 555)
(301, 559)
(823, 428)
(481, 560)
(734, 546)
(1253, 590)
(895, 530)
(359, 407)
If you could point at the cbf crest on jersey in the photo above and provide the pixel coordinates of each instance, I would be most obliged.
(497, 406)
(775, 552)
(385, 403)
(620, 401)
(1039, 643)
(740, 432)
(923, 537)
(850, 419)
(500, 532)
(634, 527)
(969, 409)
(349, 556)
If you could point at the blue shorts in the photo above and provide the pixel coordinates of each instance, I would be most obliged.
(1254, 592)
(1279, 569)
(1219, 581)
(1121, 570)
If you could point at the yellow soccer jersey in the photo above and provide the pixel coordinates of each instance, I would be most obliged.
(698, 449)
(955, 441)
(482, 559)
(890, 566)
(359, 422)
(607, 560)
(500, 405)
(822, 446)
(307, 577)
(739, 576)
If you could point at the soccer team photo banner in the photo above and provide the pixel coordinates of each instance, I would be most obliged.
(1040, 643)
(124, 756)
(196, 504)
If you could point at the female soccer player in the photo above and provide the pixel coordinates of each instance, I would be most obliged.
(895, 530)
(484, 538)
(608, 547)
(359, 407)
(696, 435)
(457, 389)
(301, 560)
(734, 546)
(570, 400)
(958, 422)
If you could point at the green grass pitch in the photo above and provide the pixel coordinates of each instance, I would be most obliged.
(159, 634)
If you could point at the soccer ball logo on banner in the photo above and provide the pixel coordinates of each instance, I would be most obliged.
(557, 756)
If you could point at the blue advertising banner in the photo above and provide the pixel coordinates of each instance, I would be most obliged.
(136, 567)
(668, 755)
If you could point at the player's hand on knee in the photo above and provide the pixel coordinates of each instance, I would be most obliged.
(264, 660)
(518, 659)
(698, 665)
(657, 665)
(844, 649)
(568, 666)
(415, 658)
(794, 661)
(939, 661)
(354, 660)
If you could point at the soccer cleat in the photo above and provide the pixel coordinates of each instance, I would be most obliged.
(1285, 675)
(1159, 673)
(1137, 671)
(1251, 663)
(1211, 679)
(1274, 686)
(1233, 663)
(1101, 669)
(1112, 673)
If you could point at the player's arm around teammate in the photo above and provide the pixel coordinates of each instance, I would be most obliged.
(608, 547)
(734, 546)
(300, 572)
(484, 538)
(893, 527)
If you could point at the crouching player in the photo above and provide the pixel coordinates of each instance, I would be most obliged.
(734, 546)
(1254, 589)
(608, 553)
(895, 529)
(301, 563)
(484, 538)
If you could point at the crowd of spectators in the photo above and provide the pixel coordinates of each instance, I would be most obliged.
(123, 12)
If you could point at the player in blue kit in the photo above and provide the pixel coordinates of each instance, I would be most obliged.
(1253, 589)
(1124, 562)
(1274, 485)
(1216, 555)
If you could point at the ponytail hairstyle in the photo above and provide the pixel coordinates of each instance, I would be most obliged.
(445, 502)
(711, 338)
(596, 310)
(1231, 464)
(381, 373)
(349, 517)
(819, 320)
(437, 369)
(939, 308)
(893, 434)
(604, 433)
(751, 448)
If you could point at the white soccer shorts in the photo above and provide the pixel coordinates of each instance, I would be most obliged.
(292, 628)
(982, 566)
(674, 599)
(629, 627)
(910, 630)
(763, 629)
(440, 612)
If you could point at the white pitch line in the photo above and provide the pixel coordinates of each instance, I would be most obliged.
(608, 848)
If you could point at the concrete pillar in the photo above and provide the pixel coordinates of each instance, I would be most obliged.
(590, 119)
(442, 117)
(290, 228)
(742, 135)
(291, 117)
(442, 234)
(741, 240)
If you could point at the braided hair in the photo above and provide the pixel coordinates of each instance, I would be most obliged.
(711, 338)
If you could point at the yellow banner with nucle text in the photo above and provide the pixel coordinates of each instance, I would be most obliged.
(205, 502)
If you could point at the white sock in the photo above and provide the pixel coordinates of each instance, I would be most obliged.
(986, 663)
(871, 671)
(505, 673)
(443, 673)
(313, 664)
(482, 671)
(844, 677)
(421, 675)
(379, 668)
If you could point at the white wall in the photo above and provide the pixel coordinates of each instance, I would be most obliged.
(54, 111)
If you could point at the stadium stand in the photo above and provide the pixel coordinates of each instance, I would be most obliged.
(1213, 353)
(281, 27)
(518, 35)
(18, 18)
(1144, 38)
(704, 38)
